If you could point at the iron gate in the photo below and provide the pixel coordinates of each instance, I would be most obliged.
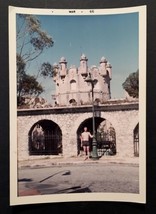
(106, 143)
(50, 144)
(136, 141)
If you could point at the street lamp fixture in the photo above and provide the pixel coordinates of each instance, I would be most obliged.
(94, 142)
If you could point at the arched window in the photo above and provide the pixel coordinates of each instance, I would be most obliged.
(97, 101)
(72, 102)
(73, 85)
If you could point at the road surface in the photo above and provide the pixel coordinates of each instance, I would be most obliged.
(74, 178)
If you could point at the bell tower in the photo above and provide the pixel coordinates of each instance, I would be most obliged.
(102, 67)
(63, 67)
(83, 69)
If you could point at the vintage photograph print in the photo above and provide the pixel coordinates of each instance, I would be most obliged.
(77, 105)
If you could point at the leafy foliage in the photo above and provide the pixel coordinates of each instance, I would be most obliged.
(31, 42)
(47, 70)
(20, 64)
(131, 84)
(30, 86)
(31, 39)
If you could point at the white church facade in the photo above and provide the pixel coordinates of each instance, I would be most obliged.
(71, 85)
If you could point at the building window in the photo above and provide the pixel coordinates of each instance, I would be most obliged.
(73, 102)
(73, 85)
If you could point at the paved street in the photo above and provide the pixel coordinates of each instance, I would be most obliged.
(79, 178)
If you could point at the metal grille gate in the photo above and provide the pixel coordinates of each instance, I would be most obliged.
(106, 144)
(136, 141)
(49, 144)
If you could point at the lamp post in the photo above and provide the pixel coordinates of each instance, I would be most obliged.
(94, 142)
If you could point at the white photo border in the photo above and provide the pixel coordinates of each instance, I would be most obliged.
(138, 198)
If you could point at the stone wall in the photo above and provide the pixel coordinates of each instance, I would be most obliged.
(124, 122)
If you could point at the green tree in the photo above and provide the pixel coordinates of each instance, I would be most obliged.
(31, 42)
(131, 84)
(27, 85)
(48, 70)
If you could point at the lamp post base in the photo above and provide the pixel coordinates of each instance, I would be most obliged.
(94, 151)
(95, 158)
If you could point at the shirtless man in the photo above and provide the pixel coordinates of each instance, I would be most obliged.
(85, 142)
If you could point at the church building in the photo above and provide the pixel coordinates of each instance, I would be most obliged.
(72, 87)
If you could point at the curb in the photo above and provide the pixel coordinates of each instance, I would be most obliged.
(65, 162)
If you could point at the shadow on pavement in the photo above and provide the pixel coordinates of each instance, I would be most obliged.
(65, 172)
(75, 189)
(25, 180)
(81, 190)
(53, 189)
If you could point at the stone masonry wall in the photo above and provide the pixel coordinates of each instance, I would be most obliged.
(124, 123)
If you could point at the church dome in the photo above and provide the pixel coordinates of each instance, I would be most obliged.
(93, 67)
(83, 57)
(63, 59)
(55, 65)
(103, 59)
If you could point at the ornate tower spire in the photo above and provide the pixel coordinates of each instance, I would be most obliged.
(109, 69)
(102, 68)
(83, 65)
(63, 67)
(55, 71)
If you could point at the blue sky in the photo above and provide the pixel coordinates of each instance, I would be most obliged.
(113, 36)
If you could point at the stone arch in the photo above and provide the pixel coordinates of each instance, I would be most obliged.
(79, 120)
(136, 140)
(85, 116)
(86, 121)
(45, 138)
(124, 123)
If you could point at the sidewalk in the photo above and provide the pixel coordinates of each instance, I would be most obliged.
(52, 161)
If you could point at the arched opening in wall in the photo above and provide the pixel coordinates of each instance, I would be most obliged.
(73, 85)
(45, 138)
(136, 140)
(73, 102)
(97, 101)
(105, 136)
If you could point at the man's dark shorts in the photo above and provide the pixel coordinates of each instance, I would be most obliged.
(85, 143)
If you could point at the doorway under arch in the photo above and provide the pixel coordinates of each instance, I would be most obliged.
(45, 138)
(105, 136)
